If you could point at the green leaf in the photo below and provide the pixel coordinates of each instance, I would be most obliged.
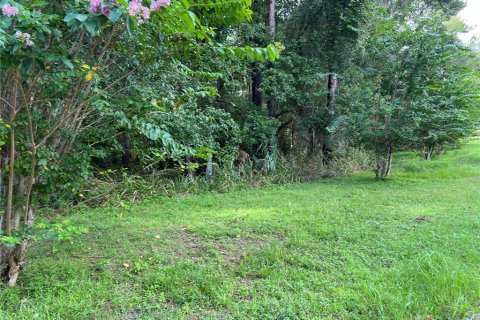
(130, 25)
(81, 17)
(68, 63)
(10, 241)
(69, 17)
(115, 14)
(189, 19)
(123, 3)
(91, 26)
(271, 55)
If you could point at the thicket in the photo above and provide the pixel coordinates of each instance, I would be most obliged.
(118, 100)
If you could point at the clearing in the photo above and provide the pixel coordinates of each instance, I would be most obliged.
(343, 248)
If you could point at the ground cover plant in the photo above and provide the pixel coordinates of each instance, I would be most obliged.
(342, 248)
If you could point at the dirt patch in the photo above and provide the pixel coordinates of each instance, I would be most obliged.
(234, 250)
(423, 218)
(185, 244)
(132, 315)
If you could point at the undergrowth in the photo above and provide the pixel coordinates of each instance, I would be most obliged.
(118, 187)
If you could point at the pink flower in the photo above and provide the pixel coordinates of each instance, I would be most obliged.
(9, 11)
(105, 11)
(141, 12)
(145, 13)
(24, 38)
(157, 4)
(95, 5)
(134, 8)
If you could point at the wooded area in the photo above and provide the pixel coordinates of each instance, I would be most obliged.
(137, 97)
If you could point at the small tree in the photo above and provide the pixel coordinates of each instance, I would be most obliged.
(448, 108)
(404, 86)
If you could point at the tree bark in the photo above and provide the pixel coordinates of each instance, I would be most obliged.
(11, 178)
(272, 29)
(332, 87)
(256, 93)
(271, 107)
(271, 18)
(188, 160)
(126, 152)
(20, 194)
(209, 169)
(428, 151)
(384, 162)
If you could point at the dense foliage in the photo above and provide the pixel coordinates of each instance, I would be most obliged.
(186, 88)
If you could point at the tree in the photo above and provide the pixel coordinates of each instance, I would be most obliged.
(61, 67)
(402, 68)
(447, 108)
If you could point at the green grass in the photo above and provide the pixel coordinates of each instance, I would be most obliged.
(344, 248)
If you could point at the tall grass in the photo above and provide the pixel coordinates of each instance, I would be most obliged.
(115, 188)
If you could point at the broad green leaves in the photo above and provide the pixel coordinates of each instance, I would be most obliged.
(270, 53)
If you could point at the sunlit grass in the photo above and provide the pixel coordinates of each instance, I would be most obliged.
(344, 248)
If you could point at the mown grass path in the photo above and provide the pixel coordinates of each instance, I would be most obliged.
(344, 248)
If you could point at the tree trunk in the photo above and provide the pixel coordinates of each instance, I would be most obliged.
(384, 162)
(272, 29)
(313, 141)
(428, 151)
(11, 257)
(271, 107)
(28, 213)
(256, 93)
(271, 18)
(332, 86)
(11, 178)
(126, 152)
(209, 169)
(19, 205)
(292, 139)
(188, 160)
(441, 150)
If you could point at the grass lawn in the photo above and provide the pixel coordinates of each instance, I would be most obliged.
(343, 248)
